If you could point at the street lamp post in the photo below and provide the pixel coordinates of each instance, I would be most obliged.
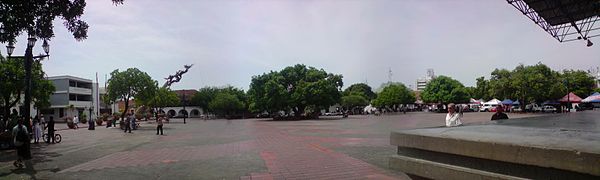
(184, 115)
(568, 96)
(28, 63)
(91, 124)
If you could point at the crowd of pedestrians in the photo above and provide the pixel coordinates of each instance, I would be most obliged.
(22, 137)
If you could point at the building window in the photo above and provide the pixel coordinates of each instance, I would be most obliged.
(61, 112)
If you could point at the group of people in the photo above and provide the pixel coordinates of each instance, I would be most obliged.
(455, 114)
(22, 140)
(130, 123)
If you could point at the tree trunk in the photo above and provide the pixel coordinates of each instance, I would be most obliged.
(6, 110)
(126, 101)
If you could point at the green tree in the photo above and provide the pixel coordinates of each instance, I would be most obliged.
(394, 94)
(297, 88)
(163, 97)
(353, 101)
(37, 16)
(203, 97)
(129, 84)
(594, 90)
(537, 83)
(226, 104)
(445, 90)
(500, 84)
(470, 91)
(578, 82)
(12, 86)
(266, 93)
(207, 94)
(360, 89)
(481, 91)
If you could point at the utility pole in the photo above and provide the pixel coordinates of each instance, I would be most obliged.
(390, 76)
(184, 115)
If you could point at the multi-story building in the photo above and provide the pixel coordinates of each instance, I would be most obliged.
(422, 82)
(74, 96)
(596, 74)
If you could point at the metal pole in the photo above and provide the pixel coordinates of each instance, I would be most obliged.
(27, 103)
(568, 98)
(185, 115)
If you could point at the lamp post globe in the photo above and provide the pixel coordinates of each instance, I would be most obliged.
(10, 48)
(46, 47)
(31, 40)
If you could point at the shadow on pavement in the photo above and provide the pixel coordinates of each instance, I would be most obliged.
(39, 156)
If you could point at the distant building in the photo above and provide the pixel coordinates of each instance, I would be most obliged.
(73, 96)
(185, 96)
(422, 82)
(596, 74)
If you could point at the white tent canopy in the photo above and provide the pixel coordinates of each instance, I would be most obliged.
(493, 101)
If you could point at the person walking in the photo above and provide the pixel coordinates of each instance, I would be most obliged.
(127, 122)
(159, 124)
(37, 130)
(133, 124)
(453, 118)
(50, 130)
(76, 122)
(43, 121)
(22, 141)
(91, 124)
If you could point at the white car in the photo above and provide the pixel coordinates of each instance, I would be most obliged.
(549, 109)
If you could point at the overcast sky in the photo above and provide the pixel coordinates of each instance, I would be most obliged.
(230, 41)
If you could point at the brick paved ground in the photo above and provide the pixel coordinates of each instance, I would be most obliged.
(330, 148)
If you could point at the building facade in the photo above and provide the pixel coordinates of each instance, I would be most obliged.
(422, 82)
(74, 96)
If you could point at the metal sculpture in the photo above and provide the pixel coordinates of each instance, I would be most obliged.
(177, 77)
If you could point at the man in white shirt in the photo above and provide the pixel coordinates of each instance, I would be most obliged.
(453, 118)
(76, 122)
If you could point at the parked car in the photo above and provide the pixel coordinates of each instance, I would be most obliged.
(549, 109)
(516, 109)
(533, 108)
(487, 107)
(585, 106)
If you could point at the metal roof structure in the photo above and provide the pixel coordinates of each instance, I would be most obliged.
(565, 20)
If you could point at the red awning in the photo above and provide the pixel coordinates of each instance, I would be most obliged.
(570, 98)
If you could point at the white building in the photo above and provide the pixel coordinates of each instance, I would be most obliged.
(422, 82)
(73, 96)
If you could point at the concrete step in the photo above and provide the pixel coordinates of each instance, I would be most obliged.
(436, 165)
(562, 150)
(436, 170)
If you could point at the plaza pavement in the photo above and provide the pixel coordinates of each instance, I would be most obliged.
(329, 148)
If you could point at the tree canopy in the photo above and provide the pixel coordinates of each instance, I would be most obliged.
(129, 84)
(444, 89)
(578, 82)
(394, 94)
(360, 89)
(36, 16)
(206, 95)
(533, 83)
(352, 101)
(12, 85)
(226, 103)
(297, 88)
(163, 97)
